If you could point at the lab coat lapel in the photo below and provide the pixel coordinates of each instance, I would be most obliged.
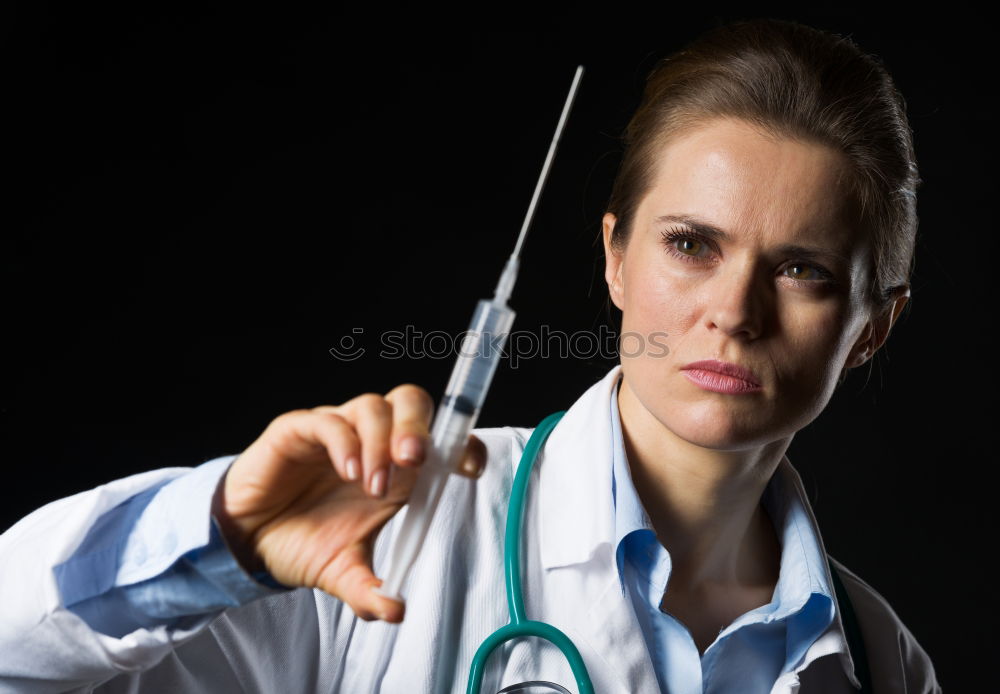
(577, 531)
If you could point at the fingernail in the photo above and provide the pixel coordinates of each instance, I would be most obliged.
(470, 468)
(411, 449)
(353, 469)
(378, 483)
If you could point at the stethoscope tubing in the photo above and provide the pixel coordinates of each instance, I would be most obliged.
(519, 624)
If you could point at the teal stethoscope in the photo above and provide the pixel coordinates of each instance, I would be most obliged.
(520, 625)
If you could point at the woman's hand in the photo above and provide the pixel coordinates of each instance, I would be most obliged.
(307, 499)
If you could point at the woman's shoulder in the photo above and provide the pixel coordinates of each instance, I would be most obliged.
(504, 434)
(503, 443)
(894, 654)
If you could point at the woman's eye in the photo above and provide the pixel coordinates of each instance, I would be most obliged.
(683, 244)
(811, 275)
(687, 245)
(800, 271)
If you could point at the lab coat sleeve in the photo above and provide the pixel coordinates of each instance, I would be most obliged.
(112, 579)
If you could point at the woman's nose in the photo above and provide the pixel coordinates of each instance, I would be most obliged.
(736, 303)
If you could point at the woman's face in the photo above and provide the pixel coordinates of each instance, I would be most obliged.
(742, 294)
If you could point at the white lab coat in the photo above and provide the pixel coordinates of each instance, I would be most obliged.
(306, 641)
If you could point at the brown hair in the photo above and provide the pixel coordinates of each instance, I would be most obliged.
(789, 80)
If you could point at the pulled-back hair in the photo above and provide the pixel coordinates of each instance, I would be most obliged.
(788, 80)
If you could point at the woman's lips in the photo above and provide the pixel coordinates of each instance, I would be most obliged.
(721, 377)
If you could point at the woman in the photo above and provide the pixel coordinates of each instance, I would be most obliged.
(764, 220)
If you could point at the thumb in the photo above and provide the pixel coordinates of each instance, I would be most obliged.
(354, 585)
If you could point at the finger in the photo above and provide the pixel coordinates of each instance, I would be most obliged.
(372, 419)
(346, 447)
(307, 436)
(354, 585)
(412, 409)
(474, 459)
(292, 441)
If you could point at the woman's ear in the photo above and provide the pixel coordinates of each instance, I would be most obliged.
(876, 331)
(613, 264)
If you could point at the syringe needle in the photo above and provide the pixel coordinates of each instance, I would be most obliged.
(548, 159)
(507, 278)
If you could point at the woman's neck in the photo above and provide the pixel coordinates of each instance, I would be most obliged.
(704, 503)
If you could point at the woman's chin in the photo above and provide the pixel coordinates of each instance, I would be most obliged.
(718, 426)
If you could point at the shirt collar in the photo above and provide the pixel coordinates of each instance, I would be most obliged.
(631, 519)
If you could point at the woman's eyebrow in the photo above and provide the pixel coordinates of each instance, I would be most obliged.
(713, 232)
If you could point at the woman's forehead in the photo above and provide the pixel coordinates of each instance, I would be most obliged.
(755, 185)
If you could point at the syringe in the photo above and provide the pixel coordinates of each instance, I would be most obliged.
(470, 379)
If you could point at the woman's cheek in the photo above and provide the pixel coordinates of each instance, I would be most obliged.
(807, 363)
(659, 296)
(660, 303)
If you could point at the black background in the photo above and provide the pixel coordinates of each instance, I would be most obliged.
(200, 203)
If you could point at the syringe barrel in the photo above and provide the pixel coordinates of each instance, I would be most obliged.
(479, 353)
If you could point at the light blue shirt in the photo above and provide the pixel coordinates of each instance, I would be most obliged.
(158, 558)
(752, 652)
